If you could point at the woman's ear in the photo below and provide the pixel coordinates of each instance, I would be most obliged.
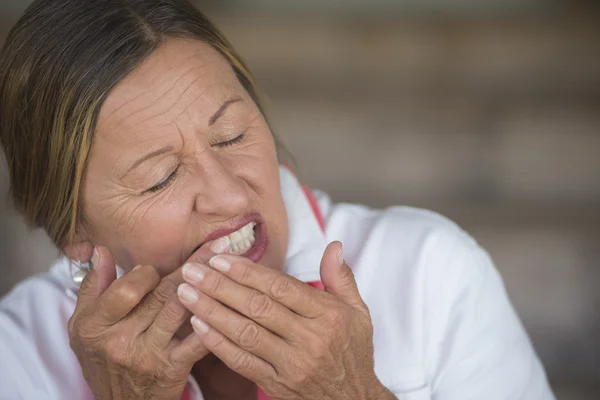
(80, 251)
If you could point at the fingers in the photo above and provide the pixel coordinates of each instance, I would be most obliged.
(168, 321)
(242, 331)
(169, 314)
(98, 279)
(151, 305)
(239, 360)
(247, 301)
(338, 278)
(141, 290)
(284, 289)
(155, 301)
(208, 250)
(189, 351)
(125, 294)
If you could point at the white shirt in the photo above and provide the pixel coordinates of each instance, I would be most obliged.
(444, 328)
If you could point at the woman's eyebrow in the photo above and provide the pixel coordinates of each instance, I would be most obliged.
(222, 110)
(148, 156)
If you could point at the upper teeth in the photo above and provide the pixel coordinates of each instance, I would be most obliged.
(242, 240)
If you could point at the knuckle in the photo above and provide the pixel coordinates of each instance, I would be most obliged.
(249, 336)
(129, 294)
(280, 287)
(218, 342)
(318, 349)
(173, 374)
(116, 349)
(241, 362)
(245, 272)
(146, 269)
(145, 368)
(84, 330)
(259, 305)
(210, 309)
(216, 283)
(173, 313)
(368, 326)
(337, 319)
(301, 377)
(71, 326)
(166, 289)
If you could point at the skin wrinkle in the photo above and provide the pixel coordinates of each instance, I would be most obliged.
(214, 186)
(183, 111)
(200, 96)
(180, 97)
(150, 140)
(157, 101)
(149, 156)
(171, 86)
(148, 207)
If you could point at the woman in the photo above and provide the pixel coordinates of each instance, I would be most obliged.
(134, 137)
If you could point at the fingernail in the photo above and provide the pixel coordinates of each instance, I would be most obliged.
(187, 294)
(220, 245)
(340, 256)
(193, 272)
(199, 325)
(95, 258)
(220, 263)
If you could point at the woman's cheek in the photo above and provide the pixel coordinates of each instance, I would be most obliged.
(154, 232)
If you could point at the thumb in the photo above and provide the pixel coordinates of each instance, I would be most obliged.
(337, 277)
(102, 275)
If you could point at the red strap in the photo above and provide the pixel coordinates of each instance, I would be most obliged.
(317, 284)
(186, 394)
(315, 207)
(261, 395)
(320, 219)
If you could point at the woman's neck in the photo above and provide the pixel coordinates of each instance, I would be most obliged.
(218, 382)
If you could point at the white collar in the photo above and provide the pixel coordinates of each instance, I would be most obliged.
(307, 241)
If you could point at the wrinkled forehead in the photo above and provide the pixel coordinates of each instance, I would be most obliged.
(183, 76)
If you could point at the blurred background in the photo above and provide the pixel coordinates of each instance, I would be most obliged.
(487, 111)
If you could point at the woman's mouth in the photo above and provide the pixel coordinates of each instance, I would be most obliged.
(249, 241)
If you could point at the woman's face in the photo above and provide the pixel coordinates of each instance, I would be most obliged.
(181, 156)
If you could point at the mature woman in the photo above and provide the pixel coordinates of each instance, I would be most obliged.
(134, 137)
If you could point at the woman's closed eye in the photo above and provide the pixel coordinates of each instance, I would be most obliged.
(165, 183)
(169, 180)
(236, 140)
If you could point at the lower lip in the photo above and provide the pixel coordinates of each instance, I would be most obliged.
(257, 251)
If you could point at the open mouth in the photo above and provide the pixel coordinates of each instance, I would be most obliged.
(250, 240)
(253, 245)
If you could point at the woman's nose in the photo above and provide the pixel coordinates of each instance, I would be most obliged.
(220, 191)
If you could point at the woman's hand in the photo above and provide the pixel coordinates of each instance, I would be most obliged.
(123, 333)
(292, 340)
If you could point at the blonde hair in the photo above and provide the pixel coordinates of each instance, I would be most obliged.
(58, 65)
